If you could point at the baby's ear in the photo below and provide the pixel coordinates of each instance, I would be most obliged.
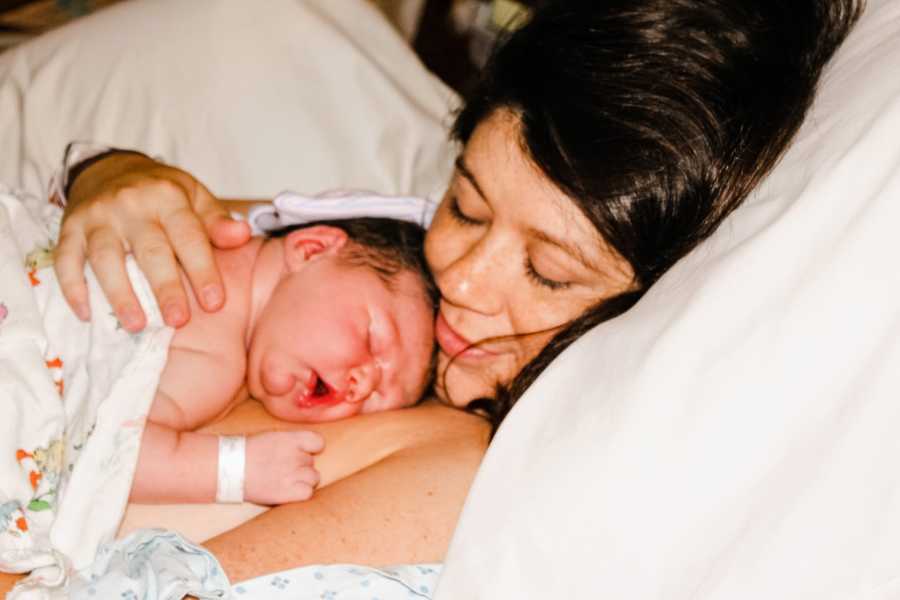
(309, 243)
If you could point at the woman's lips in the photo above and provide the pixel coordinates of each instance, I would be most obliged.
(454, 344)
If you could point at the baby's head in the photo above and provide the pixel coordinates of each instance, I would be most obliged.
(349, 327)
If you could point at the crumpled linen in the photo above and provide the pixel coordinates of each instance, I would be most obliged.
(162, 565)
(151, 563)
(343, 582)
(73, 401)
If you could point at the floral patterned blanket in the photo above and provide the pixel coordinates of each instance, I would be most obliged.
(73, 399)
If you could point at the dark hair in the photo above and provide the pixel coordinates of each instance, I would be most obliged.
(657, 117)
(388, 246)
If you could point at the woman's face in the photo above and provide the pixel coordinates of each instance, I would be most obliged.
(512, 255)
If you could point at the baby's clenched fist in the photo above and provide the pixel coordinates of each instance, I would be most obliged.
(280, 466)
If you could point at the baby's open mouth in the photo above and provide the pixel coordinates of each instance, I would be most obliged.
(317, 393)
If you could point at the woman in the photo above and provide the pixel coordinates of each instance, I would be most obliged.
(604, 142)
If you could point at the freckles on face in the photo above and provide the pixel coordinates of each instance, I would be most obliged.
(515, 260)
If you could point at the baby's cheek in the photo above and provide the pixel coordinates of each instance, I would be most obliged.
(275, 380)
(280, 409)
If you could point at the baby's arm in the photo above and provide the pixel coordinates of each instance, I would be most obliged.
(197, 385)
(182, 466)
(177, 465)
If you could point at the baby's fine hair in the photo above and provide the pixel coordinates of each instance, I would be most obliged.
(387, 246)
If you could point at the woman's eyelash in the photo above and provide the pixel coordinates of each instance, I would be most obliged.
(541, 280)
(459, 215)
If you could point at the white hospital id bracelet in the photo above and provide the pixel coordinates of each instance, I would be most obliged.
(232, 457)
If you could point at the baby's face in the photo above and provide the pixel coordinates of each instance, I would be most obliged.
(335, 340)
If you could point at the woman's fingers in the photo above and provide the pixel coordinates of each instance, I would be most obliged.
(223, 231)
(130, 203)
(157, 262)
(191, 228)
(226, 232)
(190, 243)
(69, 258)
(190, 236)
(106, 256)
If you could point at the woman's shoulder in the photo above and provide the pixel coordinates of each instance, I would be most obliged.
(423, 424)
(425, 421)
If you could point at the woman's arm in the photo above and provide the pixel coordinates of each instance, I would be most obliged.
(160, 214)
(401, 508)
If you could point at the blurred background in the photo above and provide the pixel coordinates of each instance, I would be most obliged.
(452, 37)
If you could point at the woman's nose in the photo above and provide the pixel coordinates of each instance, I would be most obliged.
(362, 381)
(475, 279)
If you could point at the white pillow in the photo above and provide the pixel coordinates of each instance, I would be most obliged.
(737, 434)
(252, 97)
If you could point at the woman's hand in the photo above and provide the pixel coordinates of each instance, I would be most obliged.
(160, 214)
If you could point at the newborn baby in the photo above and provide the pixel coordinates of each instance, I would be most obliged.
(322, 322)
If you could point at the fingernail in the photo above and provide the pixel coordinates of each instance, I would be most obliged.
(212, 295)
(174, 314)
(131, 320)
(83, 311)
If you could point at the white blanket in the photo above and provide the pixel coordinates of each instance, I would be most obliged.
(73, 399)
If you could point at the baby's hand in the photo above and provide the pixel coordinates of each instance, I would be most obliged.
(279, 466)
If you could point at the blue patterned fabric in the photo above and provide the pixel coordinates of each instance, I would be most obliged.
(343, 582)
(153, 564)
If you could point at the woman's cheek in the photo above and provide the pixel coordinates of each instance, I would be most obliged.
(542, 310)
(439, 243)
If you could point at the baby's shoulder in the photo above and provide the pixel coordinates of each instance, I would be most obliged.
(201, 381)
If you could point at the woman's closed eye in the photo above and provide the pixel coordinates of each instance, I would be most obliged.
(459, 215)
(539, 279)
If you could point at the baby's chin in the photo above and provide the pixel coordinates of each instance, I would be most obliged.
(284, 409)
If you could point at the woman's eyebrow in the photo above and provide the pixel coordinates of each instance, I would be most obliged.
(465, 172)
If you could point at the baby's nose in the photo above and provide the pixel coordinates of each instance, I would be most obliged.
(362, 381)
